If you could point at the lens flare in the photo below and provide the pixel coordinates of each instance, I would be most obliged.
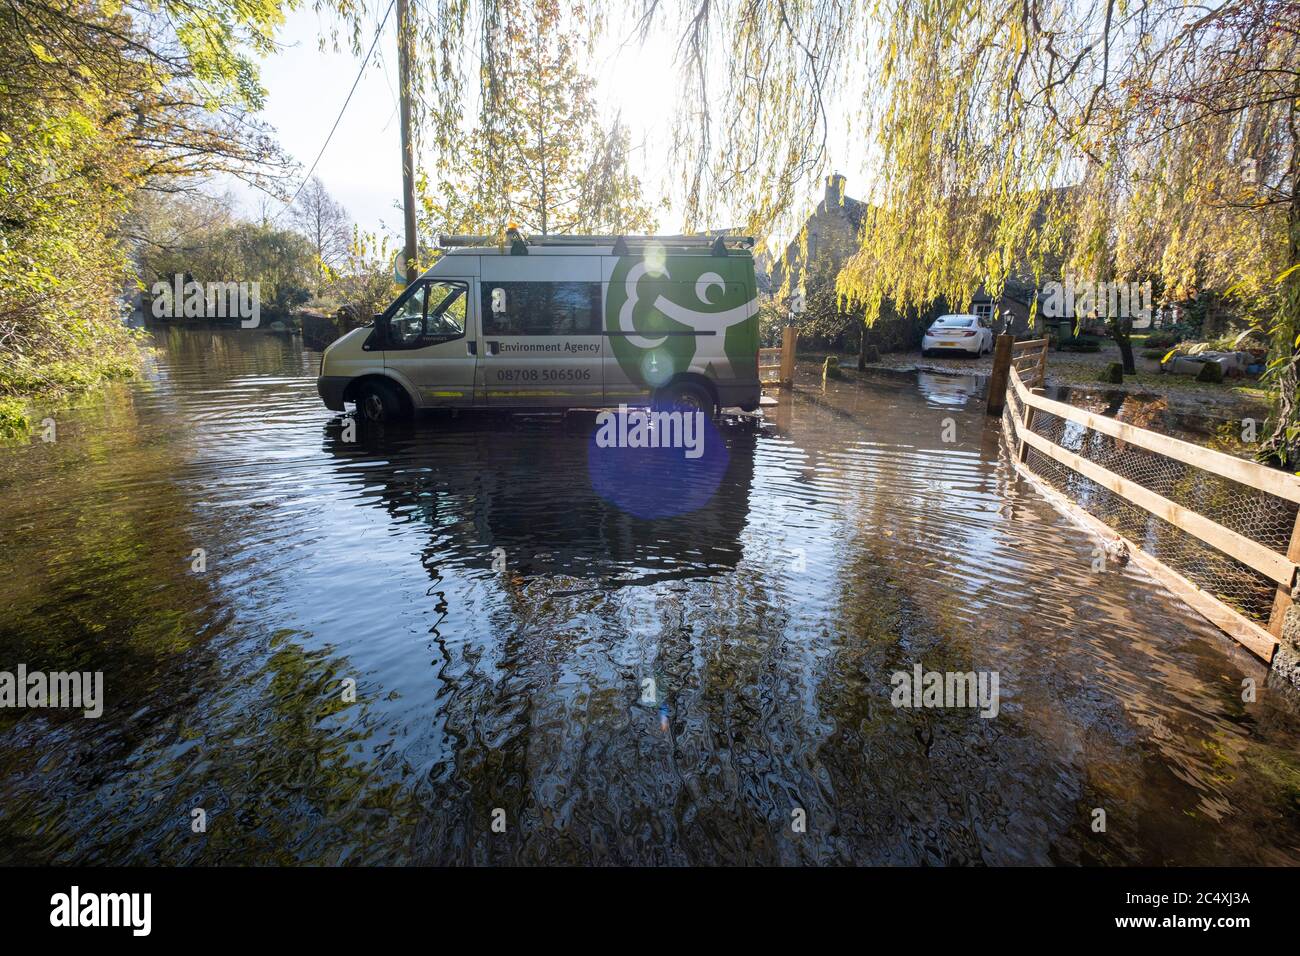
(656, 260)
(656, 367)
(658, 482)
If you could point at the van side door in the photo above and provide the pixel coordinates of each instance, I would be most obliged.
(542, 334)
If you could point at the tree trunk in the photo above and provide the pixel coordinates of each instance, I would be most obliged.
(541, 127)
(868, 352)
(1123, 336)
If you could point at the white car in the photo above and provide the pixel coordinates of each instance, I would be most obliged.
(957, 333)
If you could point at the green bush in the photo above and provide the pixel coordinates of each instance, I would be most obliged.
(280, 260)
(61, 261)
(1079, 343)
(362, 285)
(14, 420)
(1164, 339)
(100, 100)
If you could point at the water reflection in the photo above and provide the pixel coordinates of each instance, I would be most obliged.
(955, 390)
(620, 689)
(487, 483)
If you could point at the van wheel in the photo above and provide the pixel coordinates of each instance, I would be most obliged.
(380, 402)
(686, 397)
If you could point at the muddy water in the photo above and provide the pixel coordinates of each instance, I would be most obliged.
(605, 685)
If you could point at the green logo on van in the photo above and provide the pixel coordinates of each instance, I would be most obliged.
(654, 306)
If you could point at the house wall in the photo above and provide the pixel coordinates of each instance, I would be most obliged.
(1019, 315)
(829, 236)
(812, 260)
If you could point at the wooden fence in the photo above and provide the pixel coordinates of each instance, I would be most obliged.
(776, 365)
(1221, 532)
(769, 366)
(1029, 358)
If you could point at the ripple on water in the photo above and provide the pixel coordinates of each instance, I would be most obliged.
(627, 689)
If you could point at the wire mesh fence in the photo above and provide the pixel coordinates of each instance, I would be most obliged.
(1253, 513)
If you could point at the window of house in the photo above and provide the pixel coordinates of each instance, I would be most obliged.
(983, 311)
(541, 308)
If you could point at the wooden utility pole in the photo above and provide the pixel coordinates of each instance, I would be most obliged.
(408, 144)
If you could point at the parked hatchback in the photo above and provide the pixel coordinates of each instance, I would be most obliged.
(957, 333)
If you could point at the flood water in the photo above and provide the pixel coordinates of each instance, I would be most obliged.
(605, 686)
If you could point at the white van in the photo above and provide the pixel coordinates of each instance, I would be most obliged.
(561, 322)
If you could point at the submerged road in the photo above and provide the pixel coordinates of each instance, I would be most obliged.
(471, 641)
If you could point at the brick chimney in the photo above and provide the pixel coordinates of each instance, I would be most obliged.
(834, 190)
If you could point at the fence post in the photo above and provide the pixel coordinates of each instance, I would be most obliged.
(1022, 452)
(1285, 597)
(1001, 371)
(788, 339)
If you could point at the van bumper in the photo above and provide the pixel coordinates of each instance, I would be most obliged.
(331, 388)
(744, 397)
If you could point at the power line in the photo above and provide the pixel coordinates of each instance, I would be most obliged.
(373, 43)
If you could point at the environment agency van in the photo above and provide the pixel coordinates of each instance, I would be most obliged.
(558, 323)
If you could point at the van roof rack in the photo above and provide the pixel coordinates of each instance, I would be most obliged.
(716, 244)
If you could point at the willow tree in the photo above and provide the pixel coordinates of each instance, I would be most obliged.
(1143, 140)
(1148, 140)
(539, 155)
(752, 80)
